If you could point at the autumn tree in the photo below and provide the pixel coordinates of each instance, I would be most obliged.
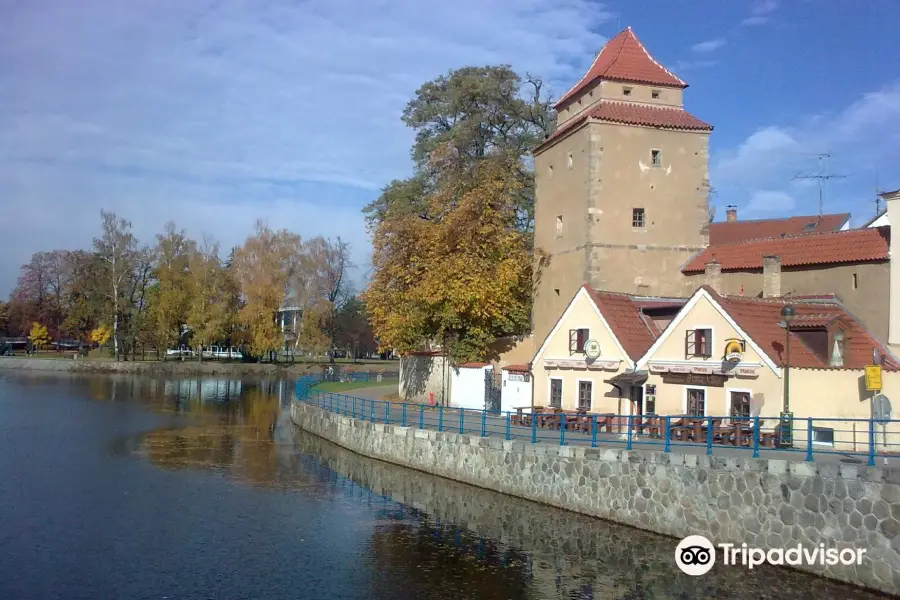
(85, 295)
(4, 318)
(353, 330)
(136, 298)
(264, 267)
(326, 265)
(170, 296)
(116, 249)
(452, 245)
(207, 299)
(38, 335)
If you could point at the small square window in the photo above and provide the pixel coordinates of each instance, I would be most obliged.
(626, 91)
(559, 224)
(585, 389)
(569, 160)
(637, 217)
(656, 158)
(855, 281)
(550, 172)
(577, 340)
(654, 94)
(556, 393)
(696, 402)
(556, 290)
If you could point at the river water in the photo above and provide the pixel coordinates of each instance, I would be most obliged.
(133, 488)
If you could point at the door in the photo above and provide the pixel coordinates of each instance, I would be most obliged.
(491, 390)
(637, 406)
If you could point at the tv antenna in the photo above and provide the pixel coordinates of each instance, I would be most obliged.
(821, 177)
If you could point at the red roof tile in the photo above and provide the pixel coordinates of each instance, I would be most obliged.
(516, 368)
(623, 314)
(852, 245)
(624, 58)
(473, 365)
(728, 232)
(645, 114)
(759, 319)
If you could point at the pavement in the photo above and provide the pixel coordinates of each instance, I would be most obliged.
(422, 416)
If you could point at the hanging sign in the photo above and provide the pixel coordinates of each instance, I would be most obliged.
(592, 349)
(873, 378)
(734, 350)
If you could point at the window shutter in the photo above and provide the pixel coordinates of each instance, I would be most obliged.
(706, 350)
(582, 339)
(690, 342)
(573, 341)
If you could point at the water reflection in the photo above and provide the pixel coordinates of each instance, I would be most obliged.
(427, 537)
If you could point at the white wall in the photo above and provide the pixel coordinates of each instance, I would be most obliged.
(467, 387)
(420, 375)
(515, 394)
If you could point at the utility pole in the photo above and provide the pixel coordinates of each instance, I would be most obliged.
(819, 177)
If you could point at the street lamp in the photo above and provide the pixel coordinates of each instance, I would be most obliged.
(787, 314)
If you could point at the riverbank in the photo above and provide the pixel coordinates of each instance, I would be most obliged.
(188, 367)
(763, 503)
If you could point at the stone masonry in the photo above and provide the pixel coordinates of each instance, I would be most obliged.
(765, 503)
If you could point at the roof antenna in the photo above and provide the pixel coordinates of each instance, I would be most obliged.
(820, 177)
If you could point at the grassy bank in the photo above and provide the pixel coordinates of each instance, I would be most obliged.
(343, 386)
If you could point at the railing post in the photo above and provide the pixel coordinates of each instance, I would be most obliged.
(809, 438)
(562, 429)
(387, 413)
(628, 443)
(709, 434)
(871, 442)
(508, 432)
(440, 417)
(354, 407)
(756, 436)
(593, 431)
(462, 417)
(534, 427)
(421, 416)
(372, 405)
(483, 423)
(403, 415)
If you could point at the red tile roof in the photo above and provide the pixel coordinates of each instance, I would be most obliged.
(624, 58)
(473, 365)
(759, 319)
(852, 245)
(516, 368)
(623, 313)
(728, 232)
(645, 114)
(631, 114)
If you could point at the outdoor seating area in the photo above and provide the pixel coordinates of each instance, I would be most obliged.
(730, 431)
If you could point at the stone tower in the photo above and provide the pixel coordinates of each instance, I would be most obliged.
(621, 186)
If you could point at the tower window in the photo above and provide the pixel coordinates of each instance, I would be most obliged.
(626, 91)
(654, 94)
(558, 224)
(656, 158)
(550, 172)
(855, 281)
(637, 217)
(569, 160)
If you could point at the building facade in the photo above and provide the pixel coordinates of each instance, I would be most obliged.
(623, 180)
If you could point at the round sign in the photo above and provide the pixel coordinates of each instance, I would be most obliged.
(881, 408)
(592, 349)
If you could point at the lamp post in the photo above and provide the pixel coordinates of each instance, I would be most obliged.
(787, 314)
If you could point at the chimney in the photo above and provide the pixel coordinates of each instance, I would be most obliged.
(713, 275)
(892, 204)
(771, 276)
(731, 213)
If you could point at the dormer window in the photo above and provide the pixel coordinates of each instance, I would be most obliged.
(626, 91)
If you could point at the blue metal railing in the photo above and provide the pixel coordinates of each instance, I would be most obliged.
(853, 440)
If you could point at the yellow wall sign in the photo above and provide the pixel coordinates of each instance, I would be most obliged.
(873, 378)
(734, 350)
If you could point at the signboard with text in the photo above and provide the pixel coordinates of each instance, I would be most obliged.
(873, 378)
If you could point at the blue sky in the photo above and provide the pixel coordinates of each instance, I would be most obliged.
(215, 113)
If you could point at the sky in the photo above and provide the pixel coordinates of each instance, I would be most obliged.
(215, 113)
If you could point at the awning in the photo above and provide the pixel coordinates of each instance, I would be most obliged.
(630, 378)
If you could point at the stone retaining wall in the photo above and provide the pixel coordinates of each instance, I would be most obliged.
(765, 503)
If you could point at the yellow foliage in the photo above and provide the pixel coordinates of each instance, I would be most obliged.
(39, 336)
(101, 335)
(461, 278)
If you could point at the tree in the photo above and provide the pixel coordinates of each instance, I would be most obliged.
(4, 318)
(264, 266)
(312, 336)
(328, 264)
(208, 297)
(171, 296)
(116, 249)
(353, 330)
(136, 298)
(87, 304)
(462, 279)
(101, 335)
(38, 335)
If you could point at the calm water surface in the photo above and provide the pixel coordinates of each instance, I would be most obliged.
(186, 489)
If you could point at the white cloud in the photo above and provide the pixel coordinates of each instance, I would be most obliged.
(759, 13)
(708, 46)
(861, 139)
(212, 114)
(765, 202)
(690, 65)
(753, 21)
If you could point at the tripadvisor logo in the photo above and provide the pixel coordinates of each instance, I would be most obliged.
(696, 555)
